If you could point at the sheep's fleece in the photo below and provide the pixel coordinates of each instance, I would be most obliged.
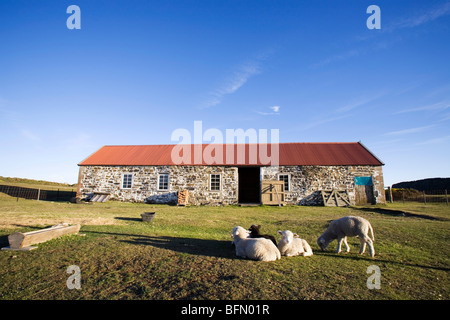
(350, 226)
(254, 248)
(290, 245)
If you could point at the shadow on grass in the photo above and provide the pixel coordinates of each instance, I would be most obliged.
(4, 241)
(399, 213)
(203, 247)
(375, 260)
(128, 219)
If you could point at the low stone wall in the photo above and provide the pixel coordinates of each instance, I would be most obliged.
(305, 181)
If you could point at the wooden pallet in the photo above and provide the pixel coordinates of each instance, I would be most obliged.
(183, 198)
(335, 198)
(100, 197)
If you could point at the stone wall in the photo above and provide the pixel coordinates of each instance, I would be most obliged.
(196, 179)
(305, 181)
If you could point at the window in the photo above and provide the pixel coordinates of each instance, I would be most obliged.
(163, 181)
(215, 182)
(127, 181)
(285, 178)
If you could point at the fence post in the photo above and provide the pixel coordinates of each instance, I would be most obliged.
(39, 194)
(390, 195)
(424, 198)
(446, 196)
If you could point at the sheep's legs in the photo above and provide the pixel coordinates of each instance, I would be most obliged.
(371, 248)
(346, 244)
(339, 244)
(368, 241)
(362, 247)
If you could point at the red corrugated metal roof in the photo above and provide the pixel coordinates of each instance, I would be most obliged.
(311, 153)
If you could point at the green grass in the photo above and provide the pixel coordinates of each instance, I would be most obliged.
(37, 184)
(186, 253)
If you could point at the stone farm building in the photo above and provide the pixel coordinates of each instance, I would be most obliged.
(147, 173)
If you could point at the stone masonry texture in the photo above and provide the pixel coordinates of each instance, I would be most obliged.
(305, 182)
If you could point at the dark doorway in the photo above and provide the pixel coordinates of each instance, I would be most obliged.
(249, 184)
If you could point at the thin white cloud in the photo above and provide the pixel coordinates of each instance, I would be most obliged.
(30, 135)
(337, 57)
(81, 141)
(234, 83)
(402, 22)
(320, 122)
(409, 131)
(275, 111)
(419, 19)
(443, 105)
(445, 117)
(445, 89)
(3, 102)
(360, 102)
(435, 141)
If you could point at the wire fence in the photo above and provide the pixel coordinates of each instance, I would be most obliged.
(426, 196)
(37, 194)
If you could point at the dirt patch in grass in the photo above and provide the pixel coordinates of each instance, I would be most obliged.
(30, 222)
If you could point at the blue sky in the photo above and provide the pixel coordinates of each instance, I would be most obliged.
(138, 70)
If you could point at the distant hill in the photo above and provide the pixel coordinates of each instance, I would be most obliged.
(425, 184)
(30, 183)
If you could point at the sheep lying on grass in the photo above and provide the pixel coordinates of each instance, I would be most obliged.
(254, 248)
(344, 227)
(255, 233)
(290, 245)
(242, 235)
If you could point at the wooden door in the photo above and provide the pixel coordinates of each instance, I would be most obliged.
(272, 192)
(364, 195)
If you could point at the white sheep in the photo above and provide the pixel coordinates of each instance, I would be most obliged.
(349, 226)
(290, 245)
(254, 248)
(243, 234)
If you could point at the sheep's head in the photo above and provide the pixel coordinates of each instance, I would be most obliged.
(322, 243)
(287, 236)
(239, 232)
(255, 229)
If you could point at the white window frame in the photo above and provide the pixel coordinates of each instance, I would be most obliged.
(159, 180)
(288, 182)
(131, 182)
(220, 182)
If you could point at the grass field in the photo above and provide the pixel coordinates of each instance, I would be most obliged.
(186, 253)
(37, 184)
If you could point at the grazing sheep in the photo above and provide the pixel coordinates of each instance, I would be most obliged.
(344, 227)
(254, 233)
(254, 248)
(290, 245)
